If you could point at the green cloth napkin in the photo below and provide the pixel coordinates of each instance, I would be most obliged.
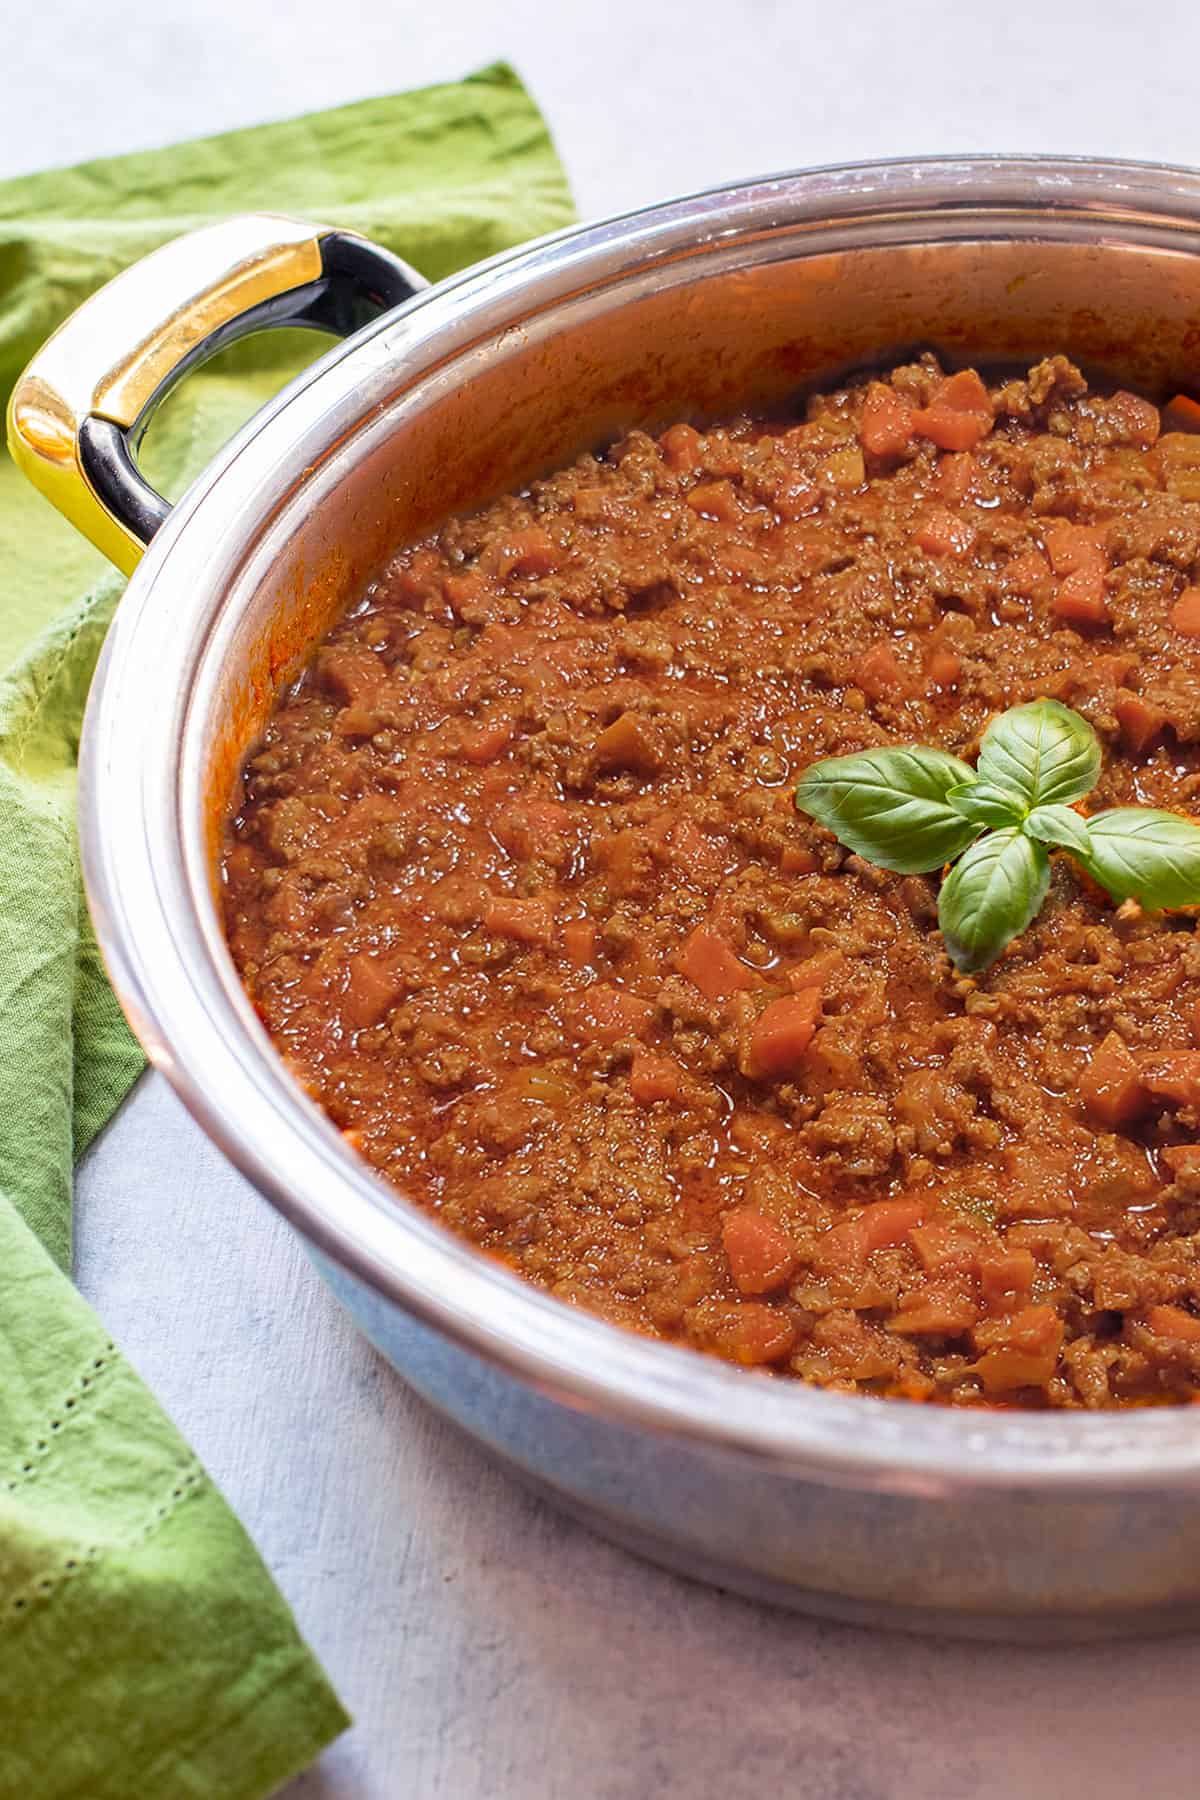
(144, 1651)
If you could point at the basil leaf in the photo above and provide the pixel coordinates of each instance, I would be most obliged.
(1043, 751)
(1143, 853)
(985, 804)
(890, 806)
(1060, 826)
(990, 895)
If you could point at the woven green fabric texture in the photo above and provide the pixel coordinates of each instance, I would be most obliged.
(144, 1650)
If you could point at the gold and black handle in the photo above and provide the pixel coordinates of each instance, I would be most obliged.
(78, 413)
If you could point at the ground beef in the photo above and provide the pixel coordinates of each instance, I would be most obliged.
(517, 884)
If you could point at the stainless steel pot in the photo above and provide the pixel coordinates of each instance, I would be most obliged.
(981, 1523)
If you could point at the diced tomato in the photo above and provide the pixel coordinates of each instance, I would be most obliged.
(607, 1014)
(1185, 614)
(1112, 1088)
(1140, 722)
(715, 500)
(654, 1078)
(1182, 413)
(682, 448)
(943, 533)
(1006, 1278)
(959, 414)
(956, 477)
(1025, 573)
(879, 674)
(944, 669)
(706, 960)
(1173, 1322)
(527, 921)
(782, 1033)
(579, 942)
(846, 1245)
(760, 1253)
(886, 425)
(1022, 1350)
(486, 739)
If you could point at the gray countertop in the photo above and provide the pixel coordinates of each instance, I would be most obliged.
(487, 1647)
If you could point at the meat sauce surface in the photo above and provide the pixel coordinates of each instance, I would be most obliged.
(518, 886)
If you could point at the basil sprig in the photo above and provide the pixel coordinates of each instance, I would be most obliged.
(916, 809)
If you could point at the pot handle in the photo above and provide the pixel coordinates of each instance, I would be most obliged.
(79, 411)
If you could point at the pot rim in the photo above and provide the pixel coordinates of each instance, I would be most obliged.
(145, 858)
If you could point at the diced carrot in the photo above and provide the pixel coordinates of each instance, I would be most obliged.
(654, 1078)
(682, 448)
(1075, 547)
(1112, 1088)
(782, 1033)
(943, 533)
(760, 1253)
(935, 1312)
(698, 856)
(796, 550)
(1006, 1278)
(1080, 598)
(627, 743)
(715, 500)
(879, 674)
(1140, 722)
(466, 588)
(814, 971)
(750, 1332)
(959, 414)
(945, 1248)
(1022, 1350)
(372, 989)
(608, 1014)
(1182, 413)
(1171, 1076)
(956, 477)
(528, 921)
(531, 551)
(1185, 614)
(1173, 1322)
(533, 826)
(944, 668)
(1024, 574)
(796, 859)
(886, 425)
(706, 960)
(485, 740)
(579, 942)
(846, 1245)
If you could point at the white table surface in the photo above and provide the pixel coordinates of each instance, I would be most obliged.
(489, 1649)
